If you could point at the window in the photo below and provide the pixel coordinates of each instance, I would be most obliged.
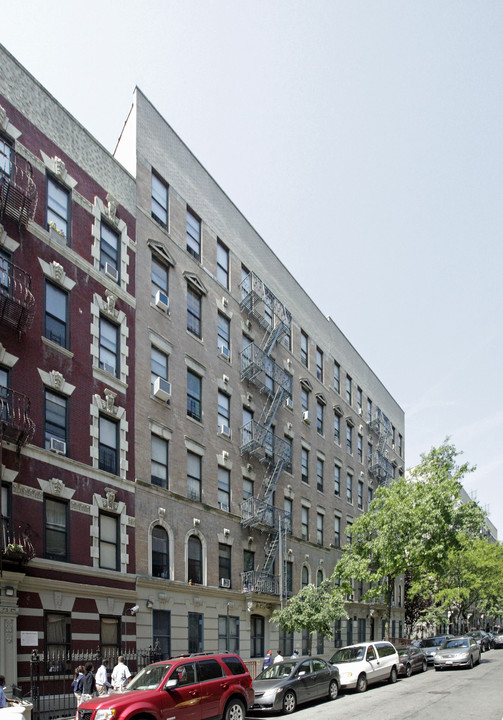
(222, 264)
(359, 399)
(360, 447)
(6, 273)
(57, 639)
(159, 278)
(305, 523)
(6, 156)
(228, 633)
(349, 528)
(247, 429)
(304, 576)
(288, 509)
(289, 577)
(248, 560)
(360, 495)
(195, 628)
(349, 438)
(337, 429)
(58, 207)
(194, 302)
(362, 629)
(109, 251)
(305, 465)
(56, 421)
(193, 235)
(400, 445)
(109, 347)
(319, 528)
(319, 417)
(224, 410)
(158, 366)
(195, 560)
(224, 335)
(159, 461)
(56, 315)
(319, 474)
(108, 459)
(349, 390)
(304, 399)
(194, 383)
(257, 636)
(110, 635)
(6, 507)
(161, 632)
(109, 541)
(56, 529)
(319, 364)
(224, 489)
(160, 552)
(337, 480)
(370, 495)
(370, 449)
(304, 348)
(369, 409)
(194, 476)
(337, 531)
(224, 562)
(247, 488)
(349, 488)
(159, 201)
(337, 377)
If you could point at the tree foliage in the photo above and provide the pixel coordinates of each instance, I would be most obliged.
(411, 526)
(313, 609)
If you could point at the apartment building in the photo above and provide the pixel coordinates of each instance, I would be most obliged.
(183, 430)
(260, 432)
(67, 327)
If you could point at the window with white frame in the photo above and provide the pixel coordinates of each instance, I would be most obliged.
(349, 390)
(305, 465)
(224, 562)
(56, 315)
(158, 366)
(108, 445)
(224, 412)
(360, 494)
(194, 309)
(194, 390)
(369, 409)
(337, 377)
(349, 488)
(304, 348)
(337, 480)
(319, 364)
(194, 476)
(109, 349)
(160, 552)
(159, 200)
(247, 488)
(58, 207)
(337, 429)
(349, 438)
(56, 422)
(223, 335)
(159, 278)
(110, 246)
(195, 560)
(304, 525)
(224, 488)
(360, 447)
(222, 264)
(337, 531)
(320, 465)
(319, 528)
(193, 235)
(159, 461)
(319, 417)
(108, 541)
(55, 528)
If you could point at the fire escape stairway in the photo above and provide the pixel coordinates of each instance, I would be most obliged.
(381, 468)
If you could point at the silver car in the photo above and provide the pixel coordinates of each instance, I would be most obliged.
(458, 652)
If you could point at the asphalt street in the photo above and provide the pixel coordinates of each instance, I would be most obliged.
(451, 695)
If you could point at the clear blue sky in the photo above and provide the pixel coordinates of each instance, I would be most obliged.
(362, 139)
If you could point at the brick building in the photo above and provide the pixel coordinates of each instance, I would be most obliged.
(196, 436)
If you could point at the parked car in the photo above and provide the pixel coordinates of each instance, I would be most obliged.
(411, 659)
(458, 652)
(431, 645)
(482, 638)
(497, 640)
(219, 684)
(365, 663)
(284, 685)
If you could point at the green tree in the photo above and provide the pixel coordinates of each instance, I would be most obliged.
(314, 609)
(410, 526)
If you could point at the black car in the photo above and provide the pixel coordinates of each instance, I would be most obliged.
(411, 659)
(284, 685)
(482, 638)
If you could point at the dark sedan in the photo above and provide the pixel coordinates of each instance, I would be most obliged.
(411, 659)
(497, 640)
(284, 685)
(482, 638)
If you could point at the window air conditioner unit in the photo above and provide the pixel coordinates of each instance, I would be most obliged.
(162, 389)
(58, 446)
(289, 403)
(306, 417)
(225, 582)
(223, 506)
(107, 368)
(111, 272)
(224, 430)
(224, 352)
(162, 300)
(225, 302)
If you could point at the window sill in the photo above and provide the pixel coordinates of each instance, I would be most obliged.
(58, 348)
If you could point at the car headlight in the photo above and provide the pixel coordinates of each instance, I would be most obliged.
(107, 714)
(268, 695)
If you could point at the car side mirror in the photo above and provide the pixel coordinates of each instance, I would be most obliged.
(171, 684)
(301, 673)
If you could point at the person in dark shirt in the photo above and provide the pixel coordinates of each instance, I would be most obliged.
(88, 683)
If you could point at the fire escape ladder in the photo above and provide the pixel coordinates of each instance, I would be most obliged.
(271, 550)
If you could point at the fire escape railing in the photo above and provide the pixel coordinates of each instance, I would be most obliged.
(18, 192)
(17, 302)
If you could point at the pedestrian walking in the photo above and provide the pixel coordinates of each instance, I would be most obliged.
(267, 660)
(102, 684)
(88, 683)
(78, 677)
(279, 657)
(120, 675)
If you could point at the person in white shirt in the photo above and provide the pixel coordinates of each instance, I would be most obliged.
(120, 675)
(102, 683)
(279, 657)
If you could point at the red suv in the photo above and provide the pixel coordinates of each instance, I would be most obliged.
(184, 688)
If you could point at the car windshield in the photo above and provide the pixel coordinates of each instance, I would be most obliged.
(149, 678)
(278, 670)
(348, 654)
(457, 642)
(432, 642)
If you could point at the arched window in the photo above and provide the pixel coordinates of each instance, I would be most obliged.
(257, 635)
(160, 552)
(319, 578)
(195, 560)
(305, 576)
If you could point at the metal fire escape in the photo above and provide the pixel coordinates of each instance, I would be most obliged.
(380, 467)
(257, 437)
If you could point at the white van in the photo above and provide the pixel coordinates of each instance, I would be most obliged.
(365, 663)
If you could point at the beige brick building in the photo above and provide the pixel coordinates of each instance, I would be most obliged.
(260, 432)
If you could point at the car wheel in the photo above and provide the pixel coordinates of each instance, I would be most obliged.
(408, 670)
(361, 683)
(470, 664)
(235, 710)
(289, 702)
(425, 666)
(393, 676)
(333, 690)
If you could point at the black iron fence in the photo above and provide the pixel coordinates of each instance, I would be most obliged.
(50, 690)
